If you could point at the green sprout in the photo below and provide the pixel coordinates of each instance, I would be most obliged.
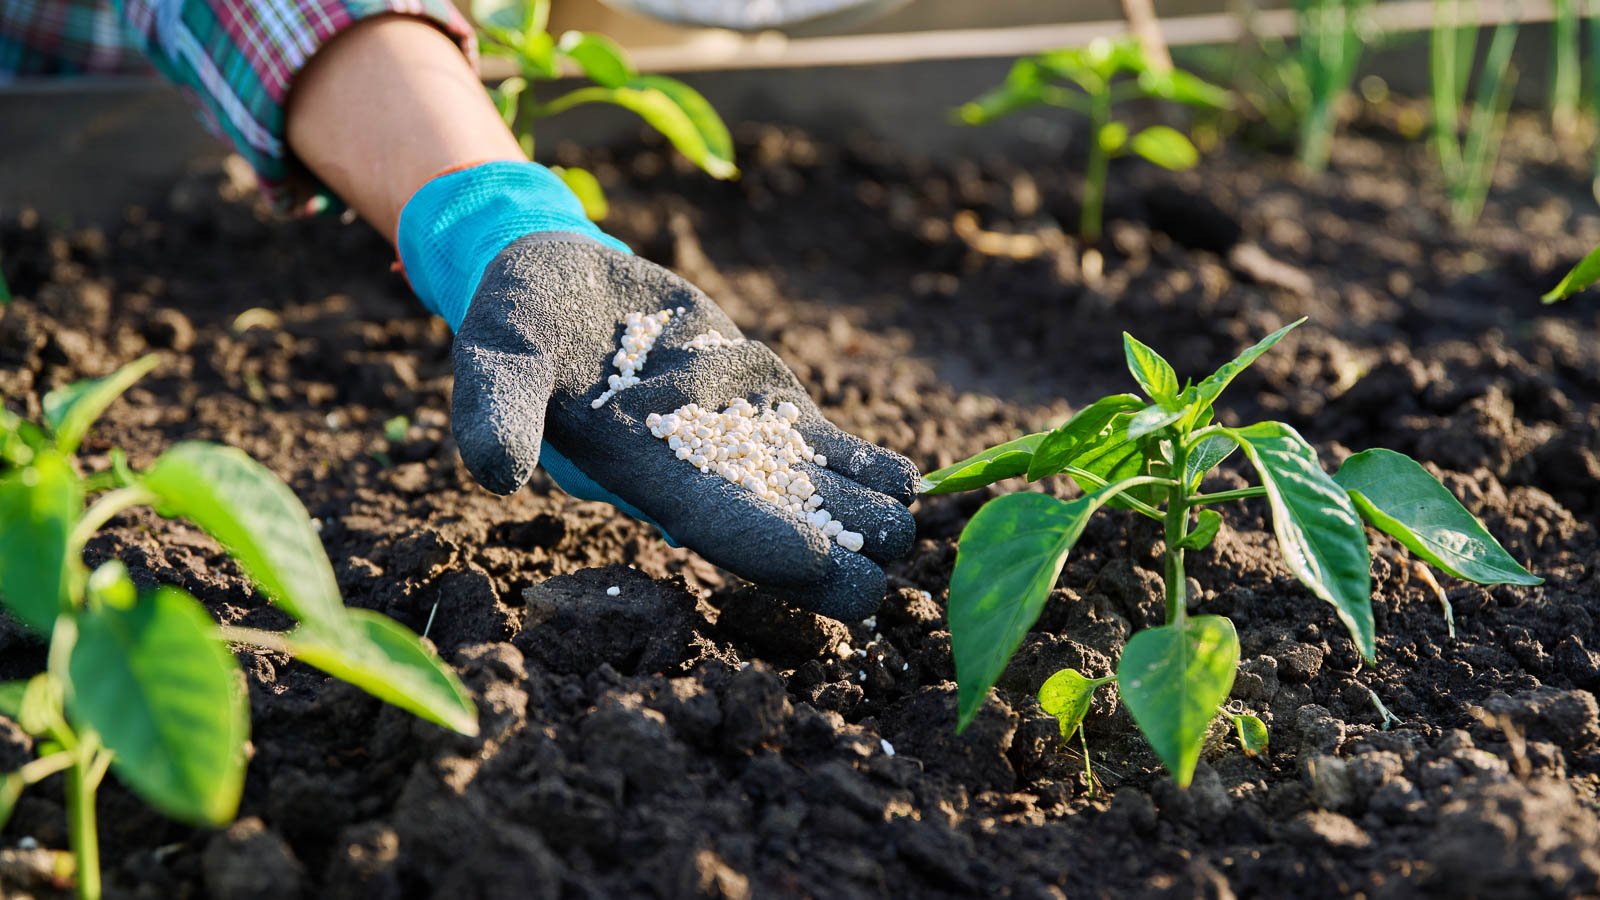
(1322, 68)
(1150, 455)
(518, 31)
(1566, 68)
(1091, 81)
(1295, 89)
(141, 682)
(1468, 161)
(1582, 276)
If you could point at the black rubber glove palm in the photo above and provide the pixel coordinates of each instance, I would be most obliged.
(534, 352)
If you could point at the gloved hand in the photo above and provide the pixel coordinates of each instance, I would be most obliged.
(537, 296)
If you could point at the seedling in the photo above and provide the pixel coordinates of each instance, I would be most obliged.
(1092, 81)
(518, 31)
(1467, 159)
(1566, 75)
(142, 682)
(1150, 455)
(1299, 89)
(1582, 276)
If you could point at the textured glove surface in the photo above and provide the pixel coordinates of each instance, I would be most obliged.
(533, 353)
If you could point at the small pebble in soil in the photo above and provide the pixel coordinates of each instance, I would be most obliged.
(888, 748)
(843, 649)
(870, 623)
(639, 335)
(758, 449)
(613, 591)
(27, 842)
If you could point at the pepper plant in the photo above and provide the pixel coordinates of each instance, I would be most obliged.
(141, 682)
(1149, 455)
(519, 31)
(1092, 81)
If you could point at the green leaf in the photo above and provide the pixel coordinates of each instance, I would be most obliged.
(708, 126)
(40, 710)
(388, 661)
(1155, 417)
(1166, 147)
(1583, 275)
(1066, 695)
(168, 699)
(34, 704)
(587, 188)
(1173, 679)
(1398, 496)
(1205, 531)
(1205, 456)
(507, 96)
(255, 516)
(1007, 562)
(1023, 88)
(601, 59)
(1318, 530)
(11, 785)
(1208, 390)
(663, 114)
(1112, 136)
(997, 463)
(39, 505)
(1060, 445)
(71, 410)
(1154, 374)
(1253, 735)
(1112, 458)
(1183, 87)
(537, 55)
(11, 694)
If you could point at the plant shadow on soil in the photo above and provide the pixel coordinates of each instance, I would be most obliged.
(692, 737)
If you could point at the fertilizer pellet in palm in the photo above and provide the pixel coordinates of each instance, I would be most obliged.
(758, 449)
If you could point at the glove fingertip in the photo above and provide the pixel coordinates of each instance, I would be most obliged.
(500, 463)
(853, 591)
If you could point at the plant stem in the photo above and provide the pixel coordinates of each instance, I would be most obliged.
(1225, 496)
(85, 838)
(1176, 583)
(45, 766)
(1138, 505)
(271, 641)
(104, 510)
(1094, 179)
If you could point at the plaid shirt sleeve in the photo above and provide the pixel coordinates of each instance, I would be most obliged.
(234, 58)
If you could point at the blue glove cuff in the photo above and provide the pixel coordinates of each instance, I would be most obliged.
(456, 224)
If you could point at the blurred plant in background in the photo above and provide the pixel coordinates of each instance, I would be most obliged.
(1104, 74)
(1467, 140)
(518, 31)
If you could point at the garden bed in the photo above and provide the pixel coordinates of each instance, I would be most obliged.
(690, 736)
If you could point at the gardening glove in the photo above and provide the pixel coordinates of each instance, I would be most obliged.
(537, 296)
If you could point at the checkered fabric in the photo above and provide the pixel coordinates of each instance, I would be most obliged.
(235, 59)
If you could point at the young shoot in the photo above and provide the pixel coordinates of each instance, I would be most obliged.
(1582, 276)
(1322, 68)
(1566, 75)
(1092, 81)
(141, 682)
(1149, 455)
(1467, 157)
(518, 31)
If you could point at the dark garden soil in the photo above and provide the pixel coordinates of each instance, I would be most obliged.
(692, 737)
